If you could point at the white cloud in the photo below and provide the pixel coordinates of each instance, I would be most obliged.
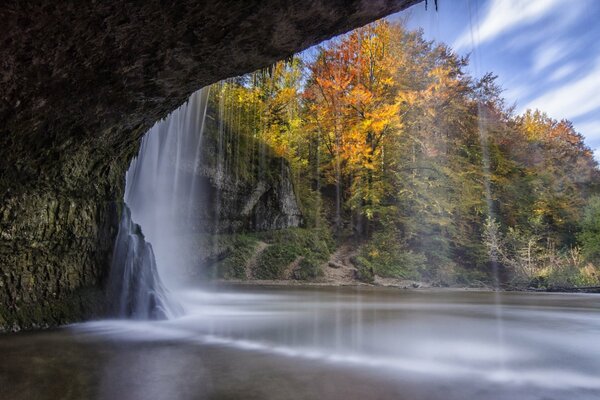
(502, 16)
(562, 72)
(515, 92)
(574, 98)
(589, 129)
(561, 22)
(549, 54)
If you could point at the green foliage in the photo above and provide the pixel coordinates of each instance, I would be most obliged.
(309, 268)
(589, 236)
(565, 272)
(390, 140)
(386, 256)
(274, 260)
(237, 251)
(588, 276)
(310, 247)
(365, 269)
(534, 261)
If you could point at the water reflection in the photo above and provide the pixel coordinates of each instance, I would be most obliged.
(333, 343)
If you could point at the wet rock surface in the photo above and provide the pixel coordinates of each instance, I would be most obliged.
(54, 251)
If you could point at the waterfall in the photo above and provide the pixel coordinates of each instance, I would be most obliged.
(135, 287)
(162, 189)
(161, 196)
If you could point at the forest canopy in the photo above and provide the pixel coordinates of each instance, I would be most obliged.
(395, 147)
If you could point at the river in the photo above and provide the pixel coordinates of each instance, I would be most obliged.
(257, 342)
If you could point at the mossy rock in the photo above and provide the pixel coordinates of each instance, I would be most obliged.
(84, 303)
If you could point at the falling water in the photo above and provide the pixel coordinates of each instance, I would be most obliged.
(161, 195)
(220, 163)
(486, 166)
(136, 289)
(162, 189)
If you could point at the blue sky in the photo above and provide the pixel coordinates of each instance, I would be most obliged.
(546, 53)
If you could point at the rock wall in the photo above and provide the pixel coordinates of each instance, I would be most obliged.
(243, 194)
(57, 234)
(55, 246)
(263, 204)
(53, 258)
(80, 82)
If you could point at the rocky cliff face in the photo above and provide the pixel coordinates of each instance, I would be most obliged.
(234, 205)
(57, 235)
(242, 194)
(54, 249)
(80, 82)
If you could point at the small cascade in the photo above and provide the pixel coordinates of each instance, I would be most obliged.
(136, 289)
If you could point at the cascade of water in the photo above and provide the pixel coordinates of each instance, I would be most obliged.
(161, 195)
(136, 288)
(161, 187)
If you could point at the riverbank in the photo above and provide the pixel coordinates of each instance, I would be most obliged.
(389, 283)
(399, 284)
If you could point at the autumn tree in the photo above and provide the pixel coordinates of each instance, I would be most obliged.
(352, 104)
(422, 162)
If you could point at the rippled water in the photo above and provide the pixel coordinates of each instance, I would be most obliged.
(309, 343)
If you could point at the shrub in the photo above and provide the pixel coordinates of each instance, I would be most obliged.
(365, 270)
(288, 245)
(389, 258)
(309, 268)
(238, 250)
(589, 237)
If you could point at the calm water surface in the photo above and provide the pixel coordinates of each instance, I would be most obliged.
(321, 343)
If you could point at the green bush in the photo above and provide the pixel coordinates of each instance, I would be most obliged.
(274, 260)
(288, 245)
(388, 258)
(567, 275)
(365, 270)
(238, 250)
(589, 237)
(309, 268)
(588, 276)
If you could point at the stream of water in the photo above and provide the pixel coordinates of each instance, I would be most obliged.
(316, 342)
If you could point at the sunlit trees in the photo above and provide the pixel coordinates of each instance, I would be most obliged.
(353, 106)
(428, 154)
(420, 161)
(440, 171)
(329, 82)
(542, 175)
(561, 171)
